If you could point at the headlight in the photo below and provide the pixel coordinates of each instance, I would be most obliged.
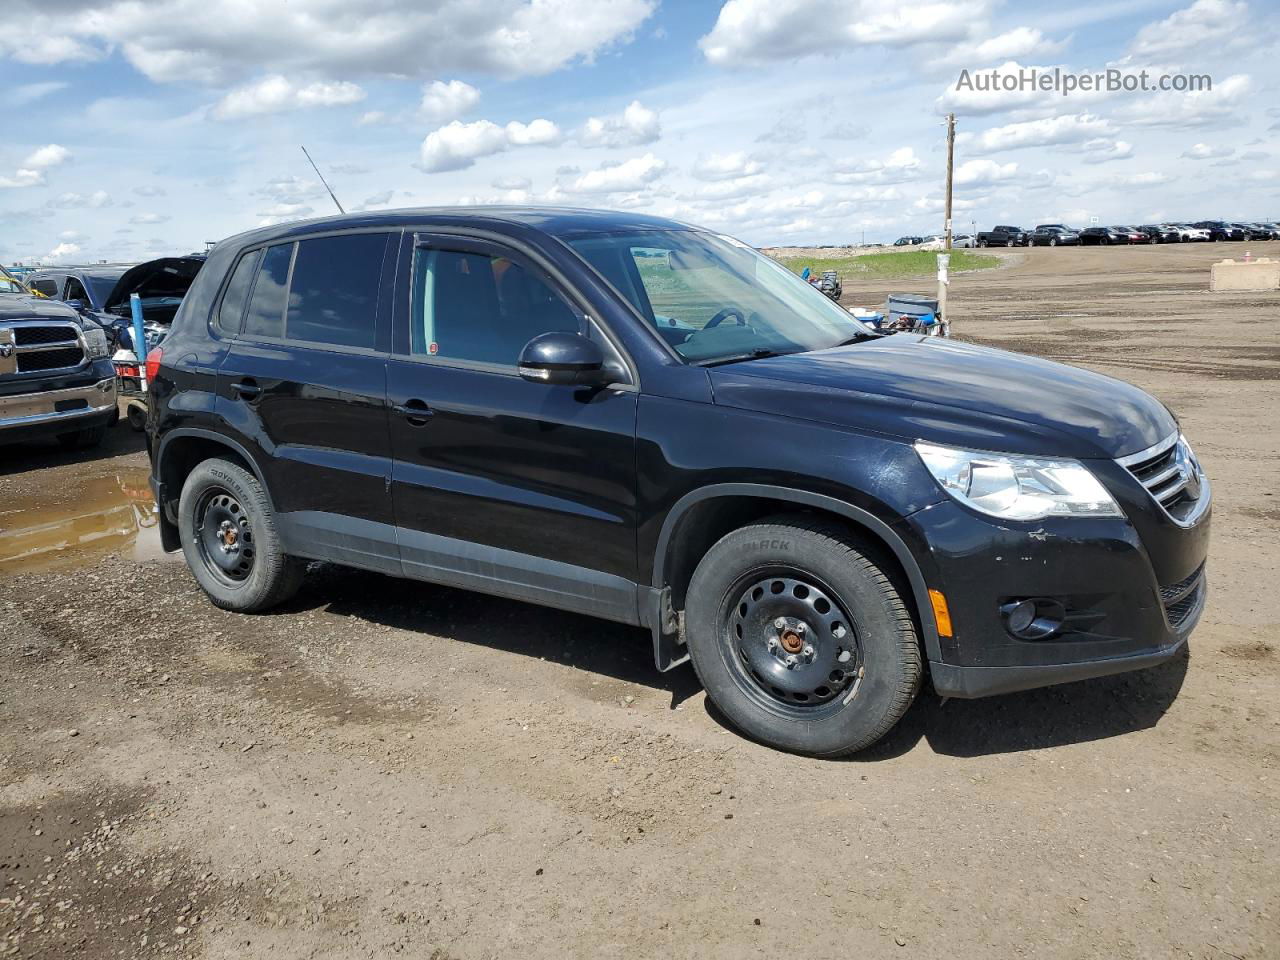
(95, 343)
(1018, 488)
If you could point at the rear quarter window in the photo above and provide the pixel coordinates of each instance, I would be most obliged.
(231, 310)
(265, 317)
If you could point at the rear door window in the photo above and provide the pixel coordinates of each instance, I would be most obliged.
(265, 317)
(231, 311)
(333, 294)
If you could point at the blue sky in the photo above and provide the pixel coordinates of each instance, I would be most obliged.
(145, 129)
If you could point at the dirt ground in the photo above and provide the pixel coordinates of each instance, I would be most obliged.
(391, 768)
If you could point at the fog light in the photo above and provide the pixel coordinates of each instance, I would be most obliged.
(1034, 618)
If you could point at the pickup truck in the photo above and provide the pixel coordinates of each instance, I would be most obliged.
(56, 377)
(1003, 236)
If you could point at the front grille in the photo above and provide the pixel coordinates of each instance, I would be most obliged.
(1173, 478)
(37, 336)
(1181, 599)
(55, 359)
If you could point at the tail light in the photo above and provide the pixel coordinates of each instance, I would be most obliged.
(153, 363)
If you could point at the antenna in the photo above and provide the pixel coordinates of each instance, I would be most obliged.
(323, 180)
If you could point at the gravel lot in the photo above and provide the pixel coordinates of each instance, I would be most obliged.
(388, 767)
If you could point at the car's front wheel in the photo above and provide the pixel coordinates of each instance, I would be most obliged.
(230, 540)
(801, 638)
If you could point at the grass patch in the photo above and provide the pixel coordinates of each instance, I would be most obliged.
(911, 263)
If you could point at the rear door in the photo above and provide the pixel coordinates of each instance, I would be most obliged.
(502, 485)
(305, 380)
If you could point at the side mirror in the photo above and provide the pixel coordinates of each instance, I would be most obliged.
(563, 358)
(78, 305)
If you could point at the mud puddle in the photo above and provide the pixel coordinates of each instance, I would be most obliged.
(112, 512)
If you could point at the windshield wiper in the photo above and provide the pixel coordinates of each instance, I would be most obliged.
(759, 353)
(857, 338)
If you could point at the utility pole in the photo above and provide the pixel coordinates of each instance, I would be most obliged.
(951, 157)
(944, 259)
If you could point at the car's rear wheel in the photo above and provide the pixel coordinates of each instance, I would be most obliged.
(230, 540)
(800, 637)
(1053, 242)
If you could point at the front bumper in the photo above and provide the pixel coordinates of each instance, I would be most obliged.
(50, 412)
(1126, 609)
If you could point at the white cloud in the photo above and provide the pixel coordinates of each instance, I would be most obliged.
(1149, 179)
(77, 201)
(26, 93)
(1204, 151)
(282, 212)
(458, 145)
(759, 31)
(726, 166)
(61, 251)
(31, 172)
(275, 94)
(447, 101)
(186, 41)
(983, 172)
(512, 183)
(626, 177)
(149, 190)
(1215, 25)
(1104, 150)
(291, 190)
(140, 218)
(1216, 107)
(1067, 128)
(635, 126)
(899, 166)
(371, 118)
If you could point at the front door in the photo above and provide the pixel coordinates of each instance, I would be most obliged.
(305, 381)
(501, 485)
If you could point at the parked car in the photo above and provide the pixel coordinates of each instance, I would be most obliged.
(1003, 236)
(1054, 235)
(1219, 230)
(492, 401)
(1189, 233)
(1161, 233)
(908, 241)
(101, 292)
(1103, 236)
(1252, 231)
(1133, 234)
(56, 378)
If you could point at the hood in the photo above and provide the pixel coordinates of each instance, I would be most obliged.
(22, 306)
(943, 390)
(166, 277)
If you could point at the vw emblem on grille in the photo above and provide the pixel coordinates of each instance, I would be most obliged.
(6, 351)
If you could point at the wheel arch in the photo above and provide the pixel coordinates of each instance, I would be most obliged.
(705, 514)
(181, 450)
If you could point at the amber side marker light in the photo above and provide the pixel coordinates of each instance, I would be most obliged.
(941, 615)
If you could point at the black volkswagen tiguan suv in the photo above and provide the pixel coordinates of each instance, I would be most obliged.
(643, 421)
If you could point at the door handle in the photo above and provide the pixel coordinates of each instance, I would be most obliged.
(247, 389)
(415, 411)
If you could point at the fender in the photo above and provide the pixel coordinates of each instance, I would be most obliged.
(665, 652)
(158, 487)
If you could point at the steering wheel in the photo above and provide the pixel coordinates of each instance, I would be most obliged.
(726, 312)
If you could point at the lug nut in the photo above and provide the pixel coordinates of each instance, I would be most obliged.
(808, 650)
(780, 622)
(772, 643)
(801, 628)
(791, 660)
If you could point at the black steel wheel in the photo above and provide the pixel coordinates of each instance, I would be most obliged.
(791, 642)
(225, 535)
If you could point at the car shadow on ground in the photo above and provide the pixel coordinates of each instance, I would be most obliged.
(585, 643)
(42, 454)
(1036, 719)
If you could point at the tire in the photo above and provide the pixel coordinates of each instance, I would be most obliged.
(982, 244)
(136, 414)
(856, 664)
(1053, 242)
(1009, 244)
(230, 540)
(83, 439)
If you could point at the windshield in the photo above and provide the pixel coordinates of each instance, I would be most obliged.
(713, 298)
